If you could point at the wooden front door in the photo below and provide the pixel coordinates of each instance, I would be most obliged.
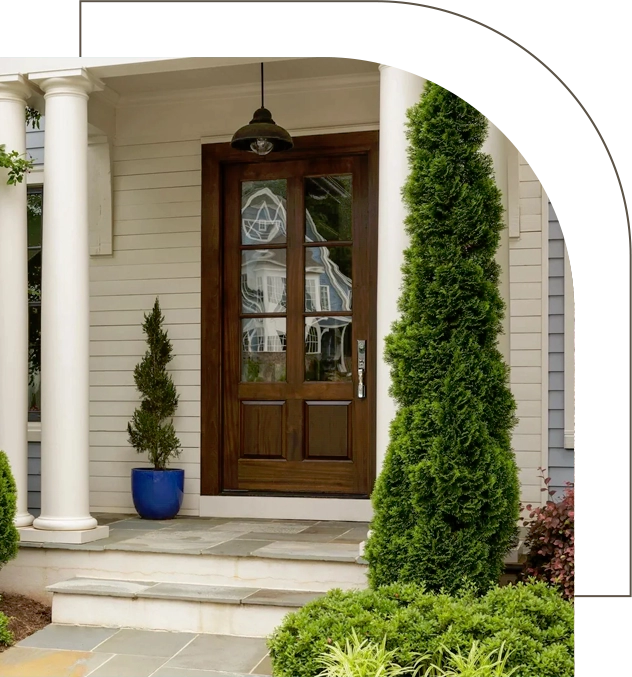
(297, 325)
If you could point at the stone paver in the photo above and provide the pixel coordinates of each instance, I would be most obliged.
(129, 666)
(181, 672)
(198, 593)
(221, 653)
(134, 653)
(146, 642)
(22, 661)
(324, 540)
(262, 526)
(69, 637)
(236, 548)
(264, 668)
(296, 598)
(333, 552)
(99, 586)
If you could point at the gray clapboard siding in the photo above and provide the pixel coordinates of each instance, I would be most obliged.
(561, 460)
(35, 143)
(34, 479)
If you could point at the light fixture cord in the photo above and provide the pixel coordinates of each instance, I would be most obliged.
(262, 84)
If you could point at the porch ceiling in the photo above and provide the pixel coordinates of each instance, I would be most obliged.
(243, 74)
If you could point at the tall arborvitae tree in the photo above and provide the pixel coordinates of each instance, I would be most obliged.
(151, 430)
(446, 504)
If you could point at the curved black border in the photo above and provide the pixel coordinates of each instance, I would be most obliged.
(530, 105)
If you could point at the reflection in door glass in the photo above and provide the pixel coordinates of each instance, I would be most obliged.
(263, 350)
(328, 349)
(328, 208)
(327, 278)
(263, 212)
(263, 281)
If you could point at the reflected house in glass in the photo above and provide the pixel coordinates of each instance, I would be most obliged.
(264, 288)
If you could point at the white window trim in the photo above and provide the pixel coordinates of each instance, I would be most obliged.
(513, 191)
(544, 344)
(569, 355)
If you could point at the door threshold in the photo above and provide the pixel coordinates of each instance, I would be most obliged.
(287, 507)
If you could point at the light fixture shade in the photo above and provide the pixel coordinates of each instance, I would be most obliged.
(262, 135)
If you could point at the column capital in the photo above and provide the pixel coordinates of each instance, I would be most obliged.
(72, 82)
(16, 88)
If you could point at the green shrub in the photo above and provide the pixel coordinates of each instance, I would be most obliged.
(446, 504)
(531, 621)
(9, 536)
(6, 636)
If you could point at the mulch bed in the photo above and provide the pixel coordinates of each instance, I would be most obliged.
(26, 616)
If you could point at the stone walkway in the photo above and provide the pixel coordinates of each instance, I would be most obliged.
(282, 539)
(81, 651)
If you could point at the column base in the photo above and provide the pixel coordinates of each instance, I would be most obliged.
(32, 535)
(24, 519)
(64, 523)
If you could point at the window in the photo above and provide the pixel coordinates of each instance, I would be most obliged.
(310, 295)
(324, 297)
(277, 291)
(34, 207)
(276, 344)
(311, 341)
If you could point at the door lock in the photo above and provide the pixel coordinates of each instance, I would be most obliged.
(361, 369)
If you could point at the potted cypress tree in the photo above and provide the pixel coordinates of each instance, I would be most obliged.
(157, 491)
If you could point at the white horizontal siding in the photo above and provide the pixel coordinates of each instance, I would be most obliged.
(143, 302)
(120, 288)
(526, 327)
(145, 272)
(153, 257)
(126, 409)
(156, 252)
(135, 333)
(126, 378)
(118, 423)
(120, 362)
(127, 454)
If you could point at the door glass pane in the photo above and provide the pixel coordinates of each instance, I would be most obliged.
(327, 278)
(328, 349)
(263, 346)
(328, 208)
(263, 281)
(263, 212)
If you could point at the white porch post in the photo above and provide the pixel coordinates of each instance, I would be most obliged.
(399, 90)
(65, 311)
(13, 296)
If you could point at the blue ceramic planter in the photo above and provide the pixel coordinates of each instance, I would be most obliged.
(157, 494)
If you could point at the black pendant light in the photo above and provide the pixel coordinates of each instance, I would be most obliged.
(262, 135)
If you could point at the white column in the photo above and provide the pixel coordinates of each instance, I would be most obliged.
(65, 307)
(399, 90)
(14, 296)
